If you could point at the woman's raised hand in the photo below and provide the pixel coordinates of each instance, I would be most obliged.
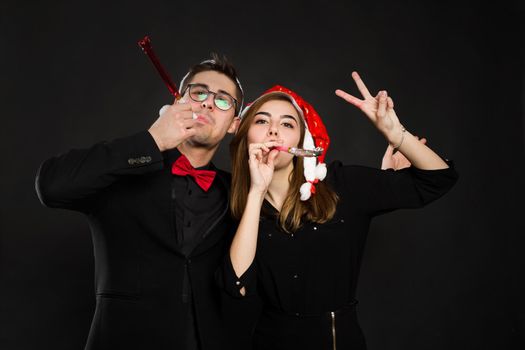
(379, 109)
(261, 162)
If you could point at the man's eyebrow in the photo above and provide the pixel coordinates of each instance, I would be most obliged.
(225, 92)
(201, 84)
(218, 91)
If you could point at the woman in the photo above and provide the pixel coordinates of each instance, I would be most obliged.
(300, 239)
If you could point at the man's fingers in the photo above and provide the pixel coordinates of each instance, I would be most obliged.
(163, 109)
(190, 132)
(349, 98)
(421, 139)
(181, 106)
(183, 109)
(186, 115)
(361, 85)
(180, 115)
(389, 151)
(188, 123)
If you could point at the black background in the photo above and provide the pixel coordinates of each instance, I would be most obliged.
(446, 277)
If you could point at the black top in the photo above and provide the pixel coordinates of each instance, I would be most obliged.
(315, 269)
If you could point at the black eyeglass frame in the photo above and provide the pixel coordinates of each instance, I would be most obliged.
(189, 86)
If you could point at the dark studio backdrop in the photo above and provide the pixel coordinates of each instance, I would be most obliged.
(449, 276)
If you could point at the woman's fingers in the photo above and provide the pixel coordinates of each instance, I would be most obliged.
(258, 155)
(349, 98)
(257, 151)
(264, 146)
(381, 108)
(361, 85)
(271, 157)
(390, 103)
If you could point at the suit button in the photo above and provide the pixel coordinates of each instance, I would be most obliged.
(315, 228)
(144, 159)
(296, 276)
(139, 160)
(238, 283)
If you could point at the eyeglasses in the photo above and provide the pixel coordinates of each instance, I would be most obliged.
(200, 93)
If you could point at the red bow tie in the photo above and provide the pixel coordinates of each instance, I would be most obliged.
(203, 178)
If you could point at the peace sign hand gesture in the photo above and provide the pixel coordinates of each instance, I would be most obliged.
(379, 109)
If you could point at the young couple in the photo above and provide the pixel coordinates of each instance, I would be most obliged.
(170, 230)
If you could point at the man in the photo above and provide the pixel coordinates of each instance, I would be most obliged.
(160, 227)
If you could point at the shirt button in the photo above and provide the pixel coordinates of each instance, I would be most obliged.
(238, 283)
(269, 235)
(291, 235)
(342, 220)
(315, 228)
(297, 314)
(189, 192)
(296, 276)
(188, 224)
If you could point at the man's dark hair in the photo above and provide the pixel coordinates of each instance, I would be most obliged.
(221, 64)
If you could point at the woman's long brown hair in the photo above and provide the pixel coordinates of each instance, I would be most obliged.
(319, 208)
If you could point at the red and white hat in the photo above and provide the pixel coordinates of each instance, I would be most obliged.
(315, 135)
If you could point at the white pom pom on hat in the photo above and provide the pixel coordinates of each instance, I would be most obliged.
(320, 171)
(306, 191)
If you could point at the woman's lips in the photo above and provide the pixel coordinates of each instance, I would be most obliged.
(281, 148)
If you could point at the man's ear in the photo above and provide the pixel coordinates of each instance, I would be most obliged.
(234, 125)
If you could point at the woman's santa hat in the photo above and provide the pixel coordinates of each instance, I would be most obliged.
(315, 135)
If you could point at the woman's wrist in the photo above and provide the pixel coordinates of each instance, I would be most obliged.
(256, 194)
(397, 137)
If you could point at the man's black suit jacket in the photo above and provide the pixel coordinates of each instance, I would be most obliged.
(124, 189)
